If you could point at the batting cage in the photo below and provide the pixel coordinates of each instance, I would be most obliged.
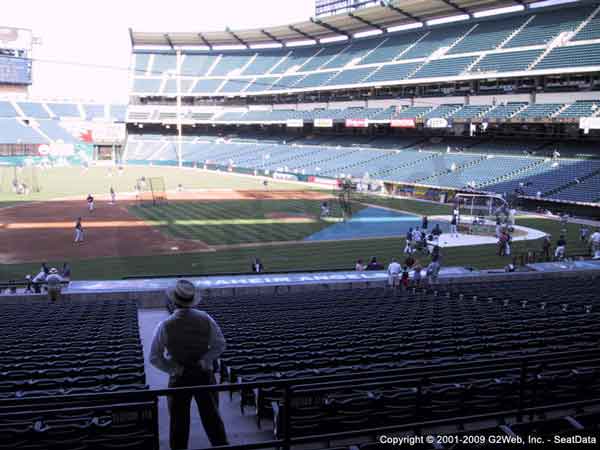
(151, 190)
(19, 180)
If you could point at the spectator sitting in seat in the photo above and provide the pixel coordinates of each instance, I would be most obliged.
(185, 345)
(374, 265)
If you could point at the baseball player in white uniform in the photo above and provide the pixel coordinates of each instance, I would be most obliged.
(90, 201)
(78, 231)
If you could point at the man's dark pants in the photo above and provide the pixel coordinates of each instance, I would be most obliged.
(208, 407)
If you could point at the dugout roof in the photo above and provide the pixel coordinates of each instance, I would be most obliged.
(387, 14)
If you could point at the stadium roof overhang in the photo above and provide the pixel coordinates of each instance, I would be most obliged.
(389, 13)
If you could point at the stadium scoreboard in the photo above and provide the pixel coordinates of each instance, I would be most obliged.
(15, 55)
(15, 70)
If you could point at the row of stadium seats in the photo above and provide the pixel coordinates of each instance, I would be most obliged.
(16, 131)
(469, 164)
(276, 337)
(51, 349)
(516, 111)
(498, 45)
(51, 110)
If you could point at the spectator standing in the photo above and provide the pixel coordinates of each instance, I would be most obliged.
(394, 273)
(584, 231)
(425, 223)
(454, 225)
(561, 248)
(409, 235)
(546, 247)
(417, 274)
(433, 270)
(595, 243)
(54, 283)
(66, 272)
(404, 279)
(257, 266)
(360, 266)
(113, 196)
(185, 345)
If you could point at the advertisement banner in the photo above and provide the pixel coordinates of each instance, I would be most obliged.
(320, 180)
(436, 122)
(323, 123)
(295, 123)
(357, 123)
(403, 123)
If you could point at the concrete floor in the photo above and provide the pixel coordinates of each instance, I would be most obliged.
(240, 429)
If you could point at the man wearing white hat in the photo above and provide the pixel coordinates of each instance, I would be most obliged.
(184, 346)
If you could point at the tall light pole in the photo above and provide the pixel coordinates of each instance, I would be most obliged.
(179, 131)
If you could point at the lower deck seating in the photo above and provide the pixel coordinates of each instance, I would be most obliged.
(72, 347)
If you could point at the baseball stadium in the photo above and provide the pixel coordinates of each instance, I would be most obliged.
(375, 227)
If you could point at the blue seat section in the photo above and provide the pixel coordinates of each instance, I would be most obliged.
(412, 112)
(54, 131)
(163, 63)
(391, 47)
(208, 85)
(442, 111)
(392, 72)
(504, 111)
(147, 85)
(444, 67)
(141, 63)
(350, 76)
(231, 115)
(261, 84)
(547, 25)
(13, 131)
(264, 61)
(436, 163)
(64, 109)
(314, 80)
(437, 38)
(488, 35)
(506, 62)
(549, 176)
(230, 62)
(539, 111)
(93, 111)
(235, 85)
(117, 112)
(7, 110)
(591, 30)
(326, 54)
(197, 65)
(571, 56)
(384, 114)
(295, 59)
(35, 110)
(286, 82)
(483, 172)
(581, 108)
(470, 112)
(356, 51)
(587, 190)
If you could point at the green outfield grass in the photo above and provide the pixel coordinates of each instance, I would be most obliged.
(236, 221)
(61, 182)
